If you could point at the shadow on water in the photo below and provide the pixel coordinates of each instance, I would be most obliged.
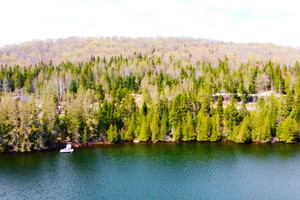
(186, 150)
(154, 171)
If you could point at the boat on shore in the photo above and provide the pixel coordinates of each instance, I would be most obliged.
(68, 149)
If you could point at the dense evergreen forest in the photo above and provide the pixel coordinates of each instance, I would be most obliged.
(148, 98)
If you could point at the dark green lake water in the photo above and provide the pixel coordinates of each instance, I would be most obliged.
(155, 171)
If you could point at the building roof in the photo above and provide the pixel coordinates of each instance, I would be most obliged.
(24, 98)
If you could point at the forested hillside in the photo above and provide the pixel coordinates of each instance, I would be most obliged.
(76, 50)
(148, 97)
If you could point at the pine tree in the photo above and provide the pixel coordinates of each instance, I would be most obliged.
(188, 131)
(273, 112)
(205, 128)
(177, 134)
(121, 134)
(112, 134)
(145, 132)
(244, 133)
(160, 79)
(49, 119)
(155, 127)
(266, 130)
(289, 102)
(129, 135)
(281, 111)
(243, 110)
(100, 92)
(232, 116)
(164, 127)
(258, 124)
(288, 130)
(175, 111)
(285, 107)
(11, 123)
(73, 87)
(296, 111)
(28, 84)
(216, 128)
(18, 80)
(144, 109)
(219, 109)
(205, 106)
(130, 106)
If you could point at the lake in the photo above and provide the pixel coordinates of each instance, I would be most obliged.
(155, 171)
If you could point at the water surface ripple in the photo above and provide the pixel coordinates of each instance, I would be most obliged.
(155, 171)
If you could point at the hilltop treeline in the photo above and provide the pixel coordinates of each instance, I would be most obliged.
(146, 98)
(75, 49)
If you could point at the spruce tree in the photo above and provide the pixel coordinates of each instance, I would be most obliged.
(216, 128)
(144, 109)
(244, 134)
(177, 134)
(232, 116)
(175, 111)
(100, 92)
(266, 130)
(288, 130)
(219, 109)
(155, 127)
(205, 128)
(129, 135)
(28, 84)
(273, 112)
(296, 111)
(205, 106)
(256, 135)
(188, 131)
(145, 132)
(164, 127)
(112, 134)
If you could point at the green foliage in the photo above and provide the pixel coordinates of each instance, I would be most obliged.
(28, 84)
(130, 106)
(99, 91)
(273, 108)
(147, 98)
(129, 135)
(178, 133)
(205, 106)
(164, 127)
(262, 127)
(266, 130)
(155, 127)
(232, 116)
(188, 131)
(145, 131)
(112, 134)
(219, 109)
(296, 111)
(175, 112)
(73, 87)
(216, 128)
(144, 109)
(288, 130)
(204, 128)
(244, 133)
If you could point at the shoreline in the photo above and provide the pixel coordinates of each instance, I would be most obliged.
(95, 144)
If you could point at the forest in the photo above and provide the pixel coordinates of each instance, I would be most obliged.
(80, 49)
(148, 98)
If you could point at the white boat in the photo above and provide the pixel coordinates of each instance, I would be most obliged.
(68, 149)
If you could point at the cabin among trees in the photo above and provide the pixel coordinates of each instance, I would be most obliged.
(23, 98)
